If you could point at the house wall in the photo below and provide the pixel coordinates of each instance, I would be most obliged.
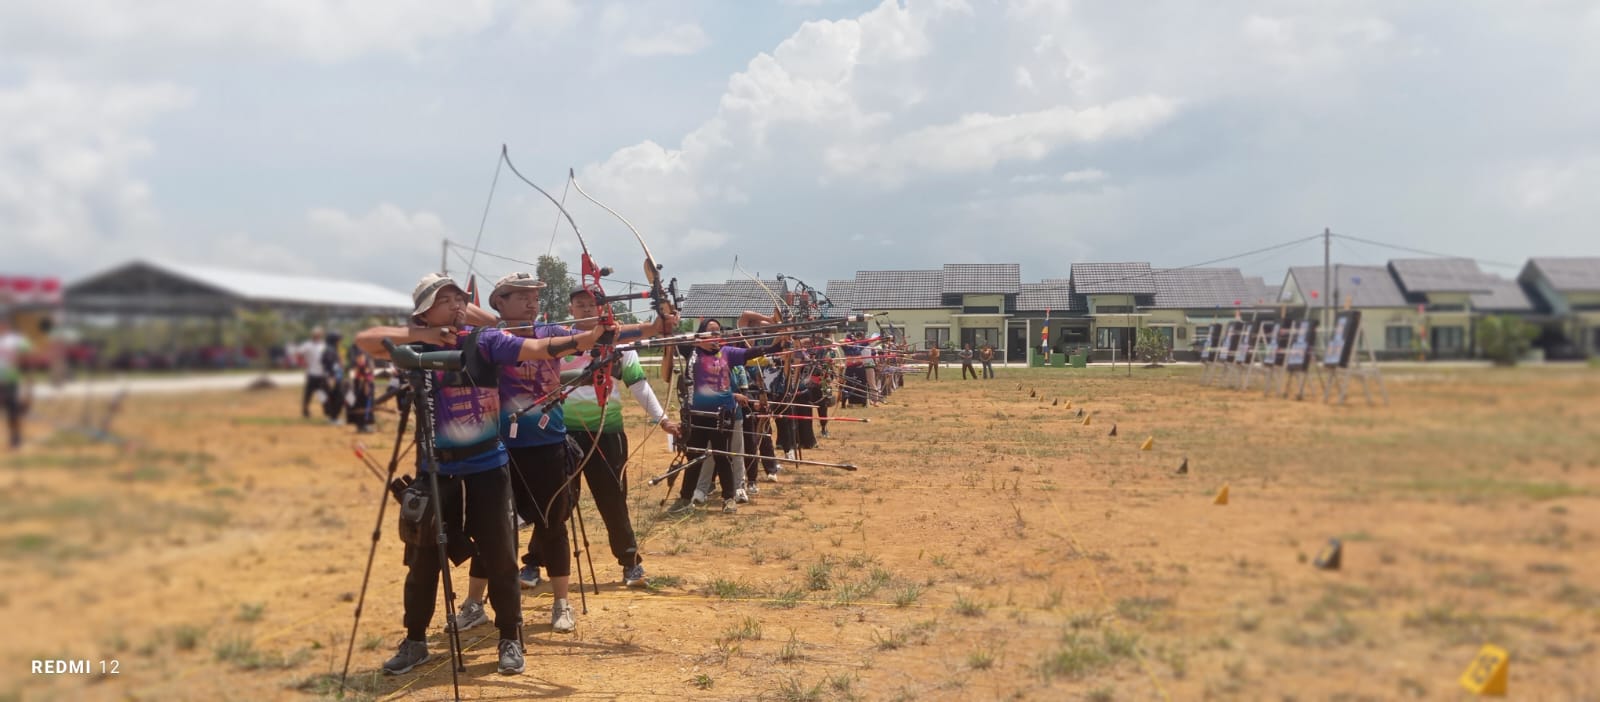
(916, 322)
(998, 301)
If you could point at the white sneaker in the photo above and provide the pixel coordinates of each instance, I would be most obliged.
(699, 498)
(741, 496)
(789, 454)
(561, 618)
(730, 506)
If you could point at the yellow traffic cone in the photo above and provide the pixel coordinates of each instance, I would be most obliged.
(1148, 442)
(1222, 496)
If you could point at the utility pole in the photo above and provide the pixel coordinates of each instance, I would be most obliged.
(444, 258)
(1327, 278)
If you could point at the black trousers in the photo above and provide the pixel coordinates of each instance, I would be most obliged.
(11, 402)
(360, 413)
(758, 441)
(607, 475)
(476, 505)
(542, 498)
(335, 404)
(313, 384)
(707, 432)
(786, 427)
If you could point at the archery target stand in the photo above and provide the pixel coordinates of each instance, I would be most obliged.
(1362, 369)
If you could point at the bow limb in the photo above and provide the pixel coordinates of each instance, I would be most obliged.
(659, 299)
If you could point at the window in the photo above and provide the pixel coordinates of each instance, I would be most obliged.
(936, 336)
(1110, 338)
(979, 336)
(1397, 338)
(1166, 334)
(1448, 339)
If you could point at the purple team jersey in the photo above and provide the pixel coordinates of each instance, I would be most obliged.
(467, 416)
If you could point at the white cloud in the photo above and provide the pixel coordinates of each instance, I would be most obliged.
(1088, 175)
(1548, 185)
(1024, 79)
(677, 40)
(385, 228)
(67, 154)
(979, 142)
(320, 31)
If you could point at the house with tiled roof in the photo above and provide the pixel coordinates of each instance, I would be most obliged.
(1566, 292)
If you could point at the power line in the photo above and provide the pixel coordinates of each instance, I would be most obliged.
(1265, 249)
(536, 266)
(1408, 249)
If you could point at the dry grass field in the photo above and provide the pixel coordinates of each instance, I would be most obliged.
(992, 546)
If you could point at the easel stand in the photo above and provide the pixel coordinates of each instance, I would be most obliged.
(1256, 356)
(1364, 370)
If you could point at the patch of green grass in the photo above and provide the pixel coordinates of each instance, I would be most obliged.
(819, 575)
(358, 688)
(730, 589)
(1141, 609)
(907, 596)
(186, 637)
(702, 681)
(967, 608)
(1454, 627)
(981, 658)
(791, 649)
(26, 544)
(1081, 655)
(252, 611)
(659, 583)
(747, 630)
(1489, 488)
(787, 598)
(890, 641)
(792, 690)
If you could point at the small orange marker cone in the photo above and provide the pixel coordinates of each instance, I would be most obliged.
(1086, 418)
(1222, 496)
(1148, 442)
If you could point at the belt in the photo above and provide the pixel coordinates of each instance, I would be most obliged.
(462, 453)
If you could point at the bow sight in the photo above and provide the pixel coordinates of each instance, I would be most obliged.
(408, 358)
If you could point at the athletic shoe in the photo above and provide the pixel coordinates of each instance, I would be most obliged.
(633, 575)
(410, 655)
(680, 506)
(561, 617)
(772, 475)
(753, 489)
(511, 662)
(698, 499)
(787, 454)
(730, 505)
(741, 496)
(529, 575)
(826, 435)
(471, 615)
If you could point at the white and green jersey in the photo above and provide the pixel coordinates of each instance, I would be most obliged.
(12, 347)
(583, 410)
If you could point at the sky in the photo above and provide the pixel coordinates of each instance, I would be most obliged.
(349, 138)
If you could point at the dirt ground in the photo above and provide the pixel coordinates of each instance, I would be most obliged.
(993, 545)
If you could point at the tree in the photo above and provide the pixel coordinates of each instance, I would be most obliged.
(1505, 339)
(558, 284)
(1151, 346)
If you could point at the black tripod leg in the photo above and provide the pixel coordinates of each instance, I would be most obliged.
(372, 553)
